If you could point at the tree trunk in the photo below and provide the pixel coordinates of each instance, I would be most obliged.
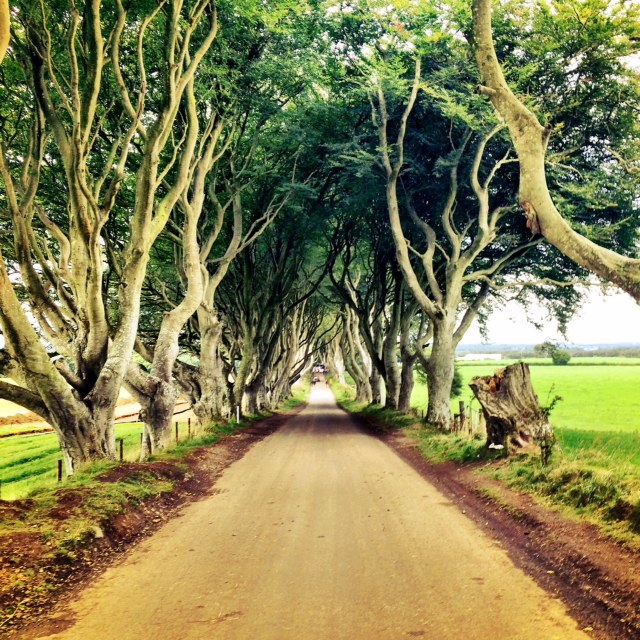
(157, 414)
(336, 364)
(5, 34)
(375, 380)
(392, 379)
(406, 381)
(351, 349)
(440, 372)
(254, 396)
(530, 140)
(214, 401)
(510, 406)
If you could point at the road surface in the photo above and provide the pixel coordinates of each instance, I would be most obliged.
(319, 533)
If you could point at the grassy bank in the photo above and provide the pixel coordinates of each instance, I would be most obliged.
(29, 463)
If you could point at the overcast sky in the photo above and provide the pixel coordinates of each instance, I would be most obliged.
(607, 318)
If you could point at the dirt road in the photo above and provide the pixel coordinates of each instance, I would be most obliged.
(319, 533)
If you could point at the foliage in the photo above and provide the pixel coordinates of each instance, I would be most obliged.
(553, 350)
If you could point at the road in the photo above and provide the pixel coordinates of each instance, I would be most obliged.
(320, 532)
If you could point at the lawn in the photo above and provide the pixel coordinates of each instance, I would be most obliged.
(595, 396)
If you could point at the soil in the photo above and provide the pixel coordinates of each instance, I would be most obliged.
(597, 579)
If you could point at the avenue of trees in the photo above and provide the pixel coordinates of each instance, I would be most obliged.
(201, 199)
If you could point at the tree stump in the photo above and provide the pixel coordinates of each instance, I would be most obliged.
(511, 409)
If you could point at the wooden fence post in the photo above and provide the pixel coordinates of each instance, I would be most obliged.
(177, 434)
(59, 470)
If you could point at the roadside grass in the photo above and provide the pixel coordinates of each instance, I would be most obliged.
(592, 475)
(102, 500)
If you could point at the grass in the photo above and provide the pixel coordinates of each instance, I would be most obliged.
(599, 397)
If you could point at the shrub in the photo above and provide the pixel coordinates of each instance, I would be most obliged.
(560, 357)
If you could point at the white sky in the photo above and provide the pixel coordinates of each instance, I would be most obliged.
(606, 318)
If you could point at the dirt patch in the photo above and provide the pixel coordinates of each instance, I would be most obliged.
(25, 555)
(597, 579)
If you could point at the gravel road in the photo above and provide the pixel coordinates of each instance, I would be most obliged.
(320, 532)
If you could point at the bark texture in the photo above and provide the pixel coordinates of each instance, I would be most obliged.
(511, 409)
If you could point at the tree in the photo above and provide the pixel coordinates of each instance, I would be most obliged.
(553, 350)
(531, 141)
(90, 153)
(5, 31)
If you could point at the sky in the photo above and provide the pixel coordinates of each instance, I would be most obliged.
(606, 318)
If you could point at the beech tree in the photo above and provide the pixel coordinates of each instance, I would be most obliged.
(237, 149)
(107, 141)
(260, 300)
(531, 140)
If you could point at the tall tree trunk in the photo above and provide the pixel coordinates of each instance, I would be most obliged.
(440, 374)
(530, 139)
(5, 33)
(375, 377)
(336, 362)
(254, 395)
(156, 412)
(355, 370)
(392, 380)
(376, 382)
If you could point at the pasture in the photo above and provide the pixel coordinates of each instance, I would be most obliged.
(29, 462)
(598, 394)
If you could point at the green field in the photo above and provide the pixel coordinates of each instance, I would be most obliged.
(595, 396)
(30, 462)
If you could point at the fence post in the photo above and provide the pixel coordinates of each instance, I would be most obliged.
(463, 416)
(121, 449)
(188, 427)
(59, 470)
(177, 434)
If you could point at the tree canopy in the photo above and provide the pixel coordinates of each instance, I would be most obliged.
(202, 199)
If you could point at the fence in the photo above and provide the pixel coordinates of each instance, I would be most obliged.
(467, 420)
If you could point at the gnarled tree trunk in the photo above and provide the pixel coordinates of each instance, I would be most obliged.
(511, 408)
(440, 372)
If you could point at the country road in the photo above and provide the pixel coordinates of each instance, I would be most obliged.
(320, 532)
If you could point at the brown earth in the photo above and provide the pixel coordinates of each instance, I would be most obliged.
(597, 580)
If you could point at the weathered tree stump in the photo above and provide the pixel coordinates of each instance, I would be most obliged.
(511, 409)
